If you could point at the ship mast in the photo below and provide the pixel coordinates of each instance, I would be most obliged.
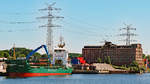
(14, 54)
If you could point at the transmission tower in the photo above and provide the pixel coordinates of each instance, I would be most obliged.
(128, 34)
(50, 25)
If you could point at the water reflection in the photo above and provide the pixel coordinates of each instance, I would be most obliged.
(82, 79)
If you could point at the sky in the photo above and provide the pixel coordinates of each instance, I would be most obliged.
(86, 22)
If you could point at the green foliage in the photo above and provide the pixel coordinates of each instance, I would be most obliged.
(99, 60)
(6, 54)
(133, 67)
(148, 57)
(143, 68)
(44, 55)
(134, 64)
(123, 67)
(37, 55)
(19, 52)
(1, 54)
(75, 55)
(107, 60)
(22, 55)
(143, 56)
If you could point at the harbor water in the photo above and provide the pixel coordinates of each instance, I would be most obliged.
(82, 79)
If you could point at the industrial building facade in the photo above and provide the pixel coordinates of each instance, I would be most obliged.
(119, 54)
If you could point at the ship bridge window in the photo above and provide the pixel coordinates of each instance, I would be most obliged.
(59, 50)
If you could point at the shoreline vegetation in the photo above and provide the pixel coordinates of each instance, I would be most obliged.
(132, 68)
(23, 52)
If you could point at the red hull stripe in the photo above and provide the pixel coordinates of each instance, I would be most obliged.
(35, 74)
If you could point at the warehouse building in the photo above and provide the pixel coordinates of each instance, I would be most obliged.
(119, 54)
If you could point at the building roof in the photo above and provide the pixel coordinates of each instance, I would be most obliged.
(110, 45)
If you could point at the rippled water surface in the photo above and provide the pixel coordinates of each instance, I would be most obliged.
(82, 79)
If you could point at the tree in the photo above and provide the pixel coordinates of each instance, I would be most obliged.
(1, 54)
(107, 60)
(37, 55)
(99, 60)
(19, 52)
(22, 55)
(44, 55)
(6, 55)
(134, 64)
(143, 56)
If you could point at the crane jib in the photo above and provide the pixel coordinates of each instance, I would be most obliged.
(31, 53)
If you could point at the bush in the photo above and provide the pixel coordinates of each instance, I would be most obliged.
(107, 60)
(99, 60)
(134, 64)
(135, 69)
(143, 68)
(121, 67)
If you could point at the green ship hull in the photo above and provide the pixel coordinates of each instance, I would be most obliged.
(21, 68)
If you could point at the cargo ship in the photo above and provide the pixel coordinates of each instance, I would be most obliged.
(43, 67)
(20, 68)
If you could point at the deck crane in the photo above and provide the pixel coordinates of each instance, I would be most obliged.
(31, 53)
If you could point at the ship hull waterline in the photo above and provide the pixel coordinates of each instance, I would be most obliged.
(13, 74)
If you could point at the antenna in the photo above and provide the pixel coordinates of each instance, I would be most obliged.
(128, 34)
(49, 24)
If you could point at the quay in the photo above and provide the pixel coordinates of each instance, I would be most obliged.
(100, 72)
(3, 66)
(99, 68)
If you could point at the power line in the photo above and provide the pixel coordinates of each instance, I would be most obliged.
(83, 22)
(17, 22)
(86, 32)
(20, 30)
(128, 34)
(91, 28)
